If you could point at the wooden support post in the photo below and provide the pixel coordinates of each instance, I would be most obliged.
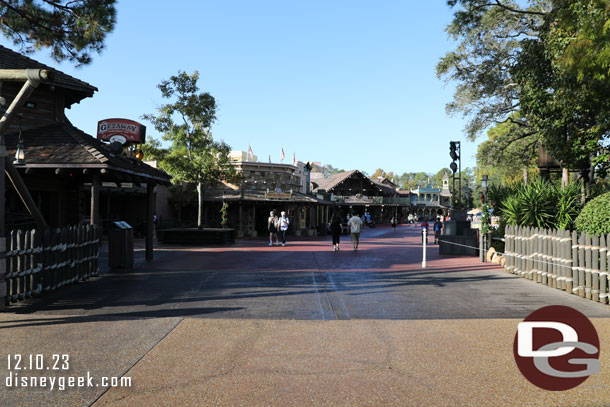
(553, 256)
(567, 256)
(2, 190)
(150, 226)
(94, 216)
(536, 256)
(595, 269)
(507, 250)
(588, 255)
(581, 265)
(603, 268)
(24, 194)
(516, 252)
(572, 284)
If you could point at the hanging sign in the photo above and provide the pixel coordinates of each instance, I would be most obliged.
(121, 130)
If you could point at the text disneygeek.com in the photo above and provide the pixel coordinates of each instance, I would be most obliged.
(19, 365)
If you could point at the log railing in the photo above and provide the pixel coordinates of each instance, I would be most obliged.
(44, 261)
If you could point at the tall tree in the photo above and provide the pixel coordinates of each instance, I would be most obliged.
(490, 36)
(194, 156)
(510, 150)
(72, 29)
(529, 58)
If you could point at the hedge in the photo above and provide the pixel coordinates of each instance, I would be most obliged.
(595, 216)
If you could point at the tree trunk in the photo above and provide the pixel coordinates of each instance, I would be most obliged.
(565, 177)
(525, 175)
(200, 205)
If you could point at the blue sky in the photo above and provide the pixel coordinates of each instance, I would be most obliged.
(347, 83)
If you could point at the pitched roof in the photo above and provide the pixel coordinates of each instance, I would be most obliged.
(333, 180)
(387, 189)
(61, 145)
(12, 60)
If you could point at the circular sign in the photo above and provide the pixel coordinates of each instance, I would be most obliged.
(556, 348)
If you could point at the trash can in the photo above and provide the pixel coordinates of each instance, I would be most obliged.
(120, 245)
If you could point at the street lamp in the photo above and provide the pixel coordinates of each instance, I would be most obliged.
(484, 180)
(482, 237)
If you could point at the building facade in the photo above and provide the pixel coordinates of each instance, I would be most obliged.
(266, 187)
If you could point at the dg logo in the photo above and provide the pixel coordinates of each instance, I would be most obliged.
(556, 348)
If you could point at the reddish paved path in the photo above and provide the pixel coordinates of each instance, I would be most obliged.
(307, 280)
(208, 327)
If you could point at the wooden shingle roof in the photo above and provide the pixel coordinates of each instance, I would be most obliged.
(12, 60)
(61, 145)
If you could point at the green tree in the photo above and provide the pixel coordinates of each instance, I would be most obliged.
(510, 150)
(329, 170)
(194, 156)
(538, 64)
(490, 36)
(564, 90)
(153, 151)
(378, 173)
(581, 34)
(72, 29)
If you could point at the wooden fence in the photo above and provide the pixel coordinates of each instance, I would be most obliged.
(44, 261)
(570, 261)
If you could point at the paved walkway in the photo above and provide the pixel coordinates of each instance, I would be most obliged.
(249, 325)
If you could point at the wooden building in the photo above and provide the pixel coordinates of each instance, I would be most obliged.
(64, 168)
(267, 187)
(353, 191)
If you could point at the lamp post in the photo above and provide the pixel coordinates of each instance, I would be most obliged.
(484, 181)
(482, 237)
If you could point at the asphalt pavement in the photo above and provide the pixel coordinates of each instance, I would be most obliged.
(251, 324)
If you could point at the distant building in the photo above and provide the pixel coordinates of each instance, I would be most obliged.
(427, 201)
(266, 187)
(381, 197)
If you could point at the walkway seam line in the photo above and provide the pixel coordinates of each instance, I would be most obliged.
(139, 359)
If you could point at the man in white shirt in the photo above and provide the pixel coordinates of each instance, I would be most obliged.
(354, 224)
(283, 223)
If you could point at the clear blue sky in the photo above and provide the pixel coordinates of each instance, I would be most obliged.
(347, 83)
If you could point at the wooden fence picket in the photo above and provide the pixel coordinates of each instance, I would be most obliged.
(595, 268)
(40, 261)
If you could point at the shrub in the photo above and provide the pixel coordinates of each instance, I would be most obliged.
(542, 204)
(595, 216)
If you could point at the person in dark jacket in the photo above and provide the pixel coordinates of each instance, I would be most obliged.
(335, 229)
(438, 227)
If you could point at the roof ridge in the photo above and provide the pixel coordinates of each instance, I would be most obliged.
(39, 65)
(86, 141)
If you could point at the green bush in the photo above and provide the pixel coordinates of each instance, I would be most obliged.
(499, 193)
(595, 216)
(542, 204)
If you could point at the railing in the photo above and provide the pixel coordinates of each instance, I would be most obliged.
(38, 262)
(570, 261)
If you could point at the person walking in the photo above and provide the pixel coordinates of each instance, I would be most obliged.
(335, 229)
(354, 224)
(283, 223)
(272, 225)
(393, 222)
(424, 226)
(438, 226)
